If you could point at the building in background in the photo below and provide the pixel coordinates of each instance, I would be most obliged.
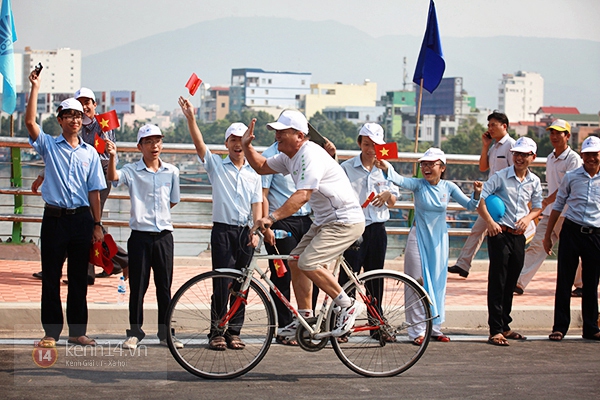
(269, 91)
(520, 95)
(354, 114)
(216, 104)
(61, 73)
(334, 95)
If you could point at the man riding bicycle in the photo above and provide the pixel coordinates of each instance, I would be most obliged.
(338, 217)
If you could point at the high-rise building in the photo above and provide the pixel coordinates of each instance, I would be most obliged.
(268, 91)
(61, 73)
(520, 95)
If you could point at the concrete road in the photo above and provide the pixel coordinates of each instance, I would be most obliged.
(466, 368)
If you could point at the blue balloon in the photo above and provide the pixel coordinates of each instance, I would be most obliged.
(495, 207)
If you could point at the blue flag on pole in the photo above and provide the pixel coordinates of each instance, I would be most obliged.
(431, 64)
(8, 36)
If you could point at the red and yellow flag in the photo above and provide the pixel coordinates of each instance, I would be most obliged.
(108, 121)
(280, 268)
(193, 83)
(99, 144)
(386, 151)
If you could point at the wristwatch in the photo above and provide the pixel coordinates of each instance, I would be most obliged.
(272, 218)
(99, 223)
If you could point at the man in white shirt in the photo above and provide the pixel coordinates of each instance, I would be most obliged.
(338, 217)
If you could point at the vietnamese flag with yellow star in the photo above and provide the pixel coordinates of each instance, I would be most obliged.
(386, 151)
(193, 84)
(108, 121)
(99, 144)
(96, 254)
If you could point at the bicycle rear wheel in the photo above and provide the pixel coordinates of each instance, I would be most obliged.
(189, 318)
(379, 345)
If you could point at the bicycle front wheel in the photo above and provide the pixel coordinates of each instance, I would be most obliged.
(379, 344)
(189, 318)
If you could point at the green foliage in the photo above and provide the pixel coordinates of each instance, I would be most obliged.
(342, 133)
(51, 126)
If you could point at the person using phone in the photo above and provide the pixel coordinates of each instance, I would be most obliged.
(495, 155)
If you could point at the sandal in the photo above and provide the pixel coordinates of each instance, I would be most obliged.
(217, 343)
(47, 342)
(556, 336)
(498, 340)
(418, 341)
(285, 340)
(82, 341)
(342, 339)
(514, 335)
(234, 342)
(441, 338)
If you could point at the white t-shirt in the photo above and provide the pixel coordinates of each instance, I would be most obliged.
(312, 168)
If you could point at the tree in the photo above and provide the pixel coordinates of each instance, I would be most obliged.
(51, 126)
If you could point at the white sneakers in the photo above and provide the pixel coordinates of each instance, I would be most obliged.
(132, 343)
(346, 318)
(288, 332)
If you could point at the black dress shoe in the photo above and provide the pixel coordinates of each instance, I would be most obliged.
(115, 271)
(578, 292)
(455, 269)
(37, 275)
(518, 290)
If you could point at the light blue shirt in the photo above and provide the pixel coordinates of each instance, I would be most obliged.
(234, 191)
(151, 195)
(581, 192)
(499, 155)
(514, 194)
(280, 186)
(365, 182)
(71, 173)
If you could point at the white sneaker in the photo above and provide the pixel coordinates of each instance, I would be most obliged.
(176, 342)
(288, 332)
(131, 343)
(346, 318)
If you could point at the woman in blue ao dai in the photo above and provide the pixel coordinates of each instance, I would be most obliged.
(426, 253)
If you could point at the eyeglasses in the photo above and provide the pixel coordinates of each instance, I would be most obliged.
(522, 155)
(152, 142)
(72, 117)
(429, 164)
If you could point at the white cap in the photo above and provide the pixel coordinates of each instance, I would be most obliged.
(71, 104)
(373, 131)
(236, 129)
(290, 119)
(148, 130)
(433, 154)
(560, 125)
(85, 92)
(591, 145)
(524, 145)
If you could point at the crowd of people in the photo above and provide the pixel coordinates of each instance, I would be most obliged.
(299, 187)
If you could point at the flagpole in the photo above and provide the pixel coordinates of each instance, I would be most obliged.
(417, 127)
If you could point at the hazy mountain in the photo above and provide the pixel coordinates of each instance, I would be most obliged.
(158, 66)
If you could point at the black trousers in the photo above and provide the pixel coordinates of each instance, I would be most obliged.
(229, 249)
(574, 244)
(149, 250)
(298, 226)
(507, 255)
(60, 235)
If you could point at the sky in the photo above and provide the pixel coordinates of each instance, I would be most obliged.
(97, 25)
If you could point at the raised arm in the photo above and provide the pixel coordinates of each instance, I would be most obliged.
(188, 111)
(32, 127)
(255, 159)
(111, 174)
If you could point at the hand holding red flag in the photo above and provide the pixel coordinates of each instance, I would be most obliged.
(193, 83)
(386, 151)
(368, 200)
(101, 253)
(108, 121)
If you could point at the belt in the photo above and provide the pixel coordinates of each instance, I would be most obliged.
(587, 230)
(510, 230)
(164, 232)
(59, 211)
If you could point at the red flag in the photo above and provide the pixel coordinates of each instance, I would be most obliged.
(280, 268)
(96, 254)
(99, 144)
(193, 83)
(368, 200)
(386, 151)
(108, 121)
(101, 253)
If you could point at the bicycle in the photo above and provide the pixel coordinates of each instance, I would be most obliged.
(377, 346)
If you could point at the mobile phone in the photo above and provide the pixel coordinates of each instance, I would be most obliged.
(487, 135)
(38, 69)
